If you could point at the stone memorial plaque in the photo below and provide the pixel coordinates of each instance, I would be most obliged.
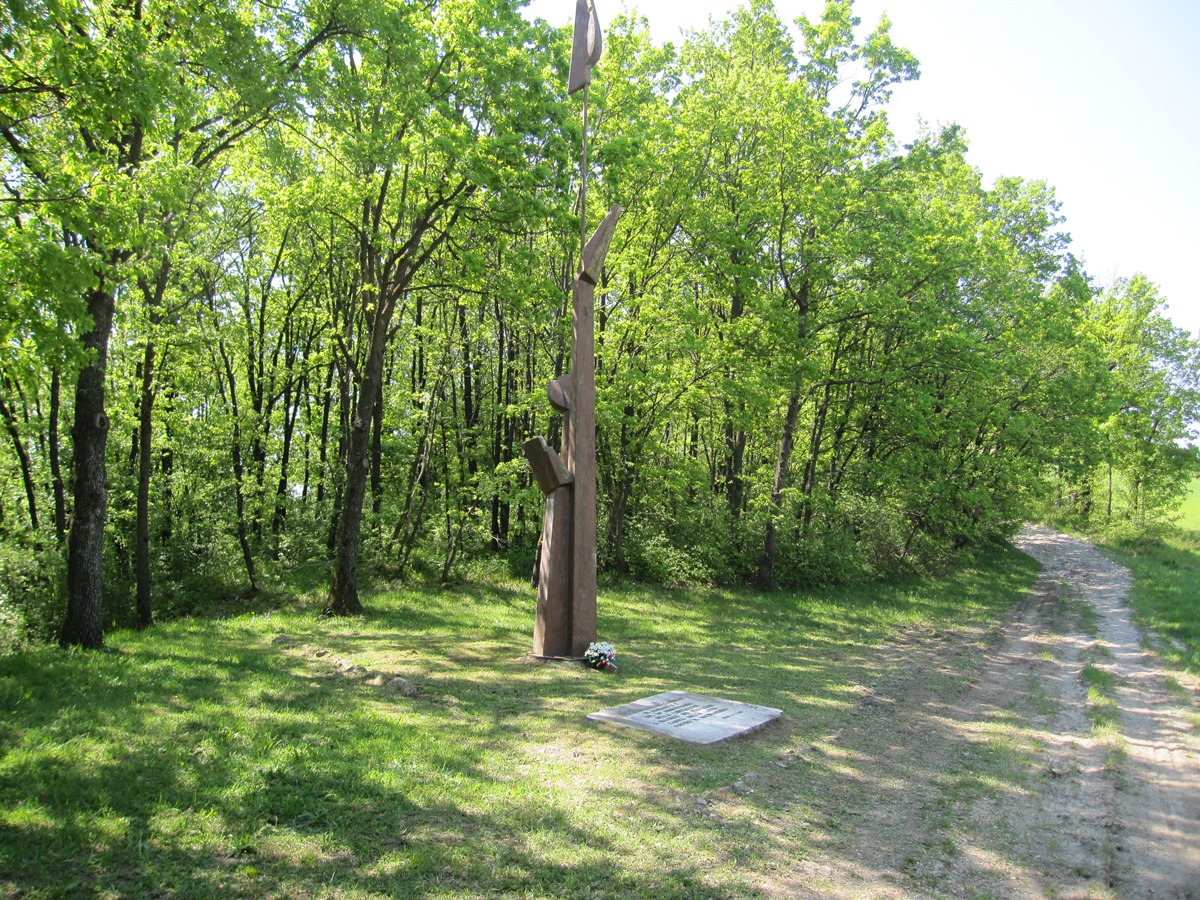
(690, 717)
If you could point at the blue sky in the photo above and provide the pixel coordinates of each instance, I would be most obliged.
(1098, 98)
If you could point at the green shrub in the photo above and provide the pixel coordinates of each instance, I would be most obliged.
(32, 580)
(693, 550)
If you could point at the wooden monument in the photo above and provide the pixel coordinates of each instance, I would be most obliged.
(566, 602)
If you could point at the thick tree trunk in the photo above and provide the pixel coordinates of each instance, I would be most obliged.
(343, 597)
(343, 591)
(83, 625)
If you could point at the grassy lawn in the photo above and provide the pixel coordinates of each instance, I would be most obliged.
(1166, 589)
(1189, 513)
(247, 757)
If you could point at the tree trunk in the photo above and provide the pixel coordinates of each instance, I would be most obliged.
(145, 615)
(345, 400)
(83, 625)
(291, 411)
(391, 281)
(816, 438)
(735, 437)
(766, 565)
(10, 423)
(735, 456)
(153, 296)
(508, 449)
(166, 468)
(323, 443)
(239, 475)
(454, 529)
(622, 490)
(501, 414)
(343, 597)
(415, 491)
(59, 487)
(306, 399)
(377, 451)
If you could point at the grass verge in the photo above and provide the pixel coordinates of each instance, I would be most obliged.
(261, 756)
(1166, 591)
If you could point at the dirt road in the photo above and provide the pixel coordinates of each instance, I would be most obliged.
(1154, 791)
(1067, 766)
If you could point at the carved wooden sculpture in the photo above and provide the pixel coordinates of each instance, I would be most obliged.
(585, 46)
(552, 627)
(583, 431)
(566, 608)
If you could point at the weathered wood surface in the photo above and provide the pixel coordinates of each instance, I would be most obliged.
(567, 568)
(559, 393)
(597, 246)
(583, 439)
(548, 468)
(552, 628)
(585, 45)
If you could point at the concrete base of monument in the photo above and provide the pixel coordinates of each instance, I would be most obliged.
(697, 718)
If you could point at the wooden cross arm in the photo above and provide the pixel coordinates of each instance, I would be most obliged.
(597, 247)
(547, 467)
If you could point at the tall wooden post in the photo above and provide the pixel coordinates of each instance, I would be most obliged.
(583, 428)
(566, 616)
(583, 431)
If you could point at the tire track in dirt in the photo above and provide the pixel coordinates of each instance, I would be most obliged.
(1157, 790)
(988, 779)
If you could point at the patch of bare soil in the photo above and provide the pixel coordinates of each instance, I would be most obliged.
(1050, 758)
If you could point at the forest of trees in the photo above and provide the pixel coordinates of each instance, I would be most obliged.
(283, 285)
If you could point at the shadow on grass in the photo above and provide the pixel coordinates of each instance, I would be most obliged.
(203, 760)
(226, 770)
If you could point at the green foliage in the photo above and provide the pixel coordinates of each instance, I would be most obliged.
(821, 357)
(31, 591)
(1138, 468)
(676, 553)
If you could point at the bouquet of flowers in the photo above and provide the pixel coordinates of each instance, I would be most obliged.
(601, 655)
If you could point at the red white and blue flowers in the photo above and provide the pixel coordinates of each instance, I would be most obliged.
(601, 655)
